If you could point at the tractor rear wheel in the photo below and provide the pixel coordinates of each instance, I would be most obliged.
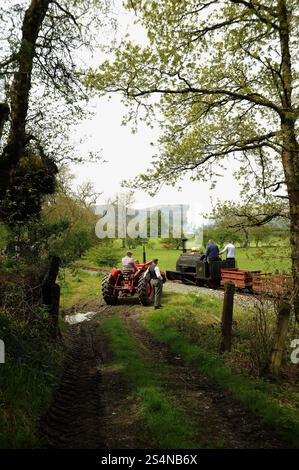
(146, 291)
(109, 293)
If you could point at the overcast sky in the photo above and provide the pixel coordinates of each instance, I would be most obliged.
(129, 154)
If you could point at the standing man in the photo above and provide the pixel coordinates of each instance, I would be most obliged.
(230, 251)
(212, 253)
(157, 282)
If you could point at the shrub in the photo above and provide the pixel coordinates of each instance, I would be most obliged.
(108, 258)
(33, 363)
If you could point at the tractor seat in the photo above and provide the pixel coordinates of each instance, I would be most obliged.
(127, 273)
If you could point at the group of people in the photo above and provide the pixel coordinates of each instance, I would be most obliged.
(212, 254)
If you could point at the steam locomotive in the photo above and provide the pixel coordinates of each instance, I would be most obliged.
(193, 268)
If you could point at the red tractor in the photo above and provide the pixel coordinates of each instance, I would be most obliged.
(124, 284)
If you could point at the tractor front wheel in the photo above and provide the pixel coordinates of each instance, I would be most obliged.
(146, 291)
(109, 293)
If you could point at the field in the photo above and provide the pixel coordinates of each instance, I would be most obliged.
(264, 258)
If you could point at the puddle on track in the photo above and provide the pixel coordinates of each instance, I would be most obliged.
(79, 317)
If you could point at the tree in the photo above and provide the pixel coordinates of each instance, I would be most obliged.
(172, 243)
(260, 234)
(41, 93)
(225, 74)
(222, 233)
(124, 203)
(31, 180)
(20, 89)
(64, 226)
(252, 219)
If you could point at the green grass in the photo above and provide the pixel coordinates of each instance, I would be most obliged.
(25, 393)
(258, 395)
(32, 368)
(168, 425)
(77, 286)
(199, 317)
(265, 258)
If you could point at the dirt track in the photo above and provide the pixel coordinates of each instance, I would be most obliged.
(221, 421)
(74, 419)
(94, 408)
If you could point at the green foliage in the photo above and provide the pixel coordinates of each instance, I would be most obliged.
(3, 236)
(218, 84)
(31, 180)
(79, 234)
(221, 234)
(260, 234)
(64, 228)
(254, 220)
(171, 243)
(133, 243)
(70, 245)
(31, 241)
(108, 257)
(33, 363)
(198, 318)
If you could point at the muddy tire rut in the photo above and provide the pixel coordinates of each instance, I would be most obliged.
(74, 418)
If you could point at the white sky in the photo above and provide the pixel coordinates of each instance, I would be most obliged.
(129, 154)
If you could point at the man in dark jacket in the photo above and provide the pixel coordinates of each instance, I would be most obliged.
(157, 282)
(212, 253)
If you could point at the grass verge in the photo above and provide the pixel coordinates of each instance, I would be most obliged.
(78, 286)
(166, 421)
(32, 368)
(257, 395)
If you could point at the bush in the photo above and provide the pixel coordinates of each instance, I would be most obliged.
(33, 363)
(108, 258)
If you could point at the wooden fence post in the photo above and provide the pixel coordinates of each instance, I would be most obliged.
(54, 309)
(284, 312)
(50, 279)
(51, 295)
(227, 317)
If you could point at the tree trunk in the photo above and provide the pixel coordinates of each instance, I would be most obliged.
(290, 146)
(4, 114)
(246, 241)
(290, 158)
(20, 89)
